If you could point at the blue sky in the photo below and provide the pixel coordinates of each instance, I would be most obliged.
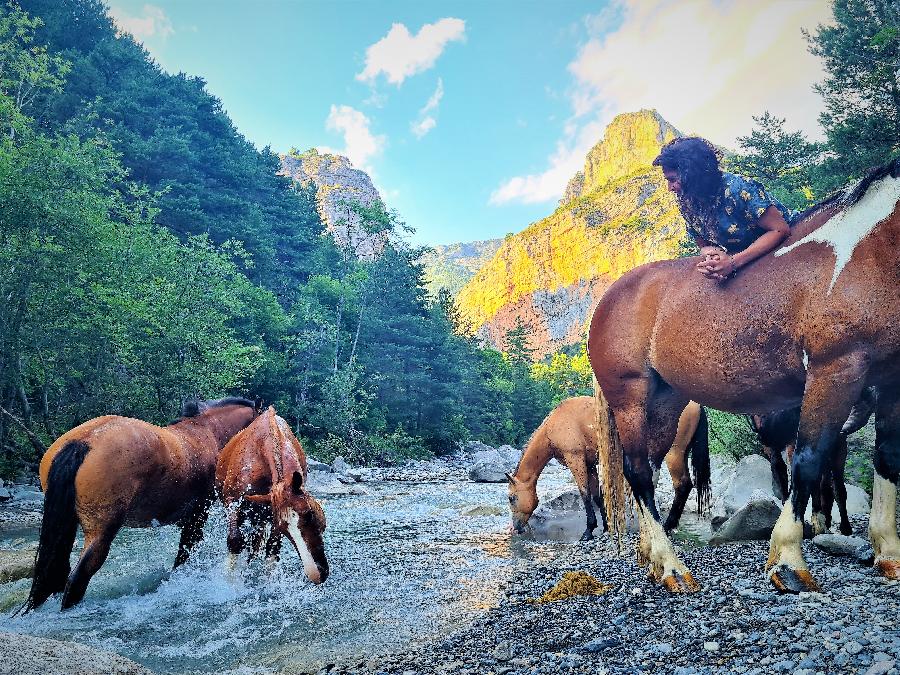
(471, 115)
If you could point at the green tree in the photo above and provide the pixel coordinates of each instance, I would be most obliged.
(861, 54)
(784, 162)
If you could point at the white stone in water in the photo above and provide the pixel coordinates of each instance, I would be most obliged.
(711, 646)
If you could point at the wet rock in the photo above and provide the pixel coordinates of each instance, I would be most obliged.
(16, 565)
(27, 655)
(345, 473)
(841, 545)
(484, 510)
(491, 466)
(753, 521)
(322, 484)
(316, 465)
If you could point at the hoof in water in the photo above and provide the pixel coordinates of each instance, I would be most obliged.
(889, 569)
(787, 580)
(681, 583)
(587, 536)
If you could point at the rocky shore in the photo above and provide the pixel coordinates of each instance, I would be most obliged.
(736, 623)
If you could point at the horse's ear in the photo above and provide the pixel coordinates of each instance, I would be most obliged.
(512, 479)
(259, 406)
(297, 482)
(259, 499)
(190, 408)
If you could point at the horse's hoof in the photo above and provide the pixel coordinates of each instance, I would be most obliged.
(889, 569)
(680, 583)
(587, 536)
(787, 580)
(846, 530)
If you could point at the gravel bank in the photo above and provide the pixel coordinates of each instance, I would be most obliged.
(735, 624)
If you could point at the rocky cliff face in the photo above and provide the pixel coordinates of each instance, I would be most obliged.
(450, 267)
(616, 215)
(338, 185)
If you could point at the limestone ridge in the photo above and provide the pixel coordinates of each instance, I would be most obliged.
(337, 185)
(451, 266)
(616, 214)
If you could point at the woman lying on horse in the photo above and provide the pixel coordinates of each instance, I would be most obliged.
(732, 219)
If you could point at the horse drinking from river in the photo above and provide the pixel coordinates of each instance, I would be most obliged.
(113, 471)
(261, 477)
(812, 324)
(568, 434)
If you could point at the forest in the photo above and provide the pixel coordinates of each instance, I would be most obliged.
(150, 254)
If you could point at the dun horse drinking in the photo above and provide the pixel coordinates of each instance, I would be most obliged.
(261, 476)
(568, 435)
(113, 471)
(812, 325)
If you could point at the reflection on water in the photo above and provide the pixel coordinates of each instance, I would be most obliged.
(405, 566)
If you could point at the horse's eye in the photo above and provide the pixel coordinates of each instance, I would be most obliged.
(309, 517)
(512, 499)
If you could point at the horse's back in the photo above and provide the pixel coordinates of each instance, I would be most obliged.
(569, 428)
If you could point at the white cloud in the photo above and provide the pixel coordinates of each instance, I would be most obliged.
(707, 66)
(399, 54)
(360, 144)
(427, 122)
(151, 22)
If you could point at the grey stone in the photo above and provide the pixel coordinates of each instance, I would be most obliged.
(27, 655)
(491, 466)
(711, 646)
(751, 474)
(16, 565)
(5, 495)
(841, 545)
(753, 521)
(880, 667)
(322, 484)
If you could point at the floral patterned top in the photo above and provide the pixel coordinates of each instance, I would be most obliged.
(740, 206)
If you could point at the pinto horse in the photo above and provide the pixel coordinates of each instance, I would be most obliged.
(568, 435)
(777, 433)
(261, 477)
(812, 325)
(113, 471)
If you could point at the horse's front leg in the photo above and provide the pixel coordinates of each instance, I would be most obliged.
(192, 529)
(643, 436)
(883, 519)
(831, 390)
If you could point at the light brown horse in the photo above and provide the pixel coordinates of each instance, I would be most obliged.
(568, 434)
(113, 471)
(812, 325)
(261, 477)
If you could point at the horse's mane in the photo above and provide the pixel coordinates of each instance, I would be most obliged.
(194, 407)
(851, 194)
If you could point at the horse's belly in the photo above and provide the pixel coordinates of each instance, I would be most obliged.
(738, 368)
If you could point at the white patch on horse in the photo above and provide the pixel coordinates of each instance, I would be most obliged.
(309, 565)
(845, 230)
(661, 553)
(805, 359)
(786, 538)
(883, 520)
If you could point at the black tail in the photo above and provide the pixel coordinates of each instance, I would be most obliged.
(58, 527)
(699, 451)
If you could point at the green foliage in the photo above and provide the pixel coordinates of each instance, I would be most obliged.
(860, 49)
(565, 376)
(731, 435)
(783, 161)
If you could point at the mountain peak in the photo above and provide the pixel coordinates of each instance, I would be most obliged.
(630, 144)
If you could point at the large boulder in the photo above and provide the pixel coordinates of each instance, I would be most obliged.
(322, 484)
(492, 465)
(16, 565)
(344, 473)
(844, 546)
(27, 655)
(751, 474)
(754, 520)
(560, 516)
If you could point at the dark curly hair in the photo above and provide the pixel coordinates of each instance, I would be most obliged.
(696, 161)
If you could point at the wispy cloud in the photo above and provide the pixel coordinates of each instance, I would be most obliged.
(426, 121)
(706, 65)
(151, 22)
(360, 144)
(399, 54)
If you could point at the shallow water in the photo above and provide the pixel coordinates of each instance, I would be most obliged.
(406, 566)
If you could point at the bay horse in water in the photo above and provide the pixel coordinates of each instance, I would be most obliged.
(777, 432)
(261, 478)
(812, 324)
(568, 434)
(113, 471)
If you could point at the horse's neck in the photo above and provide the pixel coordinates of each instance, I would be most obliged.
(536, 456)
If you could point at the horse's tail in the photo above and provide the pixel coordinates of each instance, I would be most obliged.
(610, 457)
(58, 526)
(699, 449)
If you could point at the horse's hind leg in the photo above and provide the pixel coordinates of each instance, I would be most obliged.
(596, 492)
(646, 429)
(831, 390)
(676, 461)
(93, 555)
(579, 468)
(883, 519)
(192, 529)
(838, 460)
(779, 473)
